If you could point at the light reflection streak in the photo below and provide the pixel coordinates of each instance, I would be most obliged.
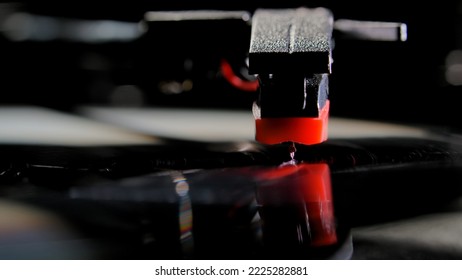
(25, 27)
(185, 213)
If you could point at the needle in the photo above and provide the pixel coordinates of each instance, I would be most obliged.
(292, 151)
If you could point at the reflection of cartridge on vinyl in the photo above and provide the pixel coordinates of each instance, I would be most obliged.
(295, 204)
(317, 193)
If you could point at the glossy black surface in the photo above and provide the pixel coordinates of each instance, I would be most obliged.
(125, 201)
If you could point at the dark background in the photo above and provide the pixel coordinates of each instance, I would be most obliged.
(392, 81)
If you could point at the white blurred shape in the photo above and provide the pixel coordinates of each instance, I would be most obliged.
(35, 125)
(453, 72)
(24, 26)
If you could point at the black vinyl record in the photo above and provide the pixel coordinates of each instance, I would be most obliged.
(349, 197)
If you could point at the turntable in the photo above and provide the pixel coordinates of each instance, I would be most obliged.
(152, 152)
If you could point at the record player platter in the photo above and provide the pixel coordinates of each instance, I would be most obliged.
(154, 184)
